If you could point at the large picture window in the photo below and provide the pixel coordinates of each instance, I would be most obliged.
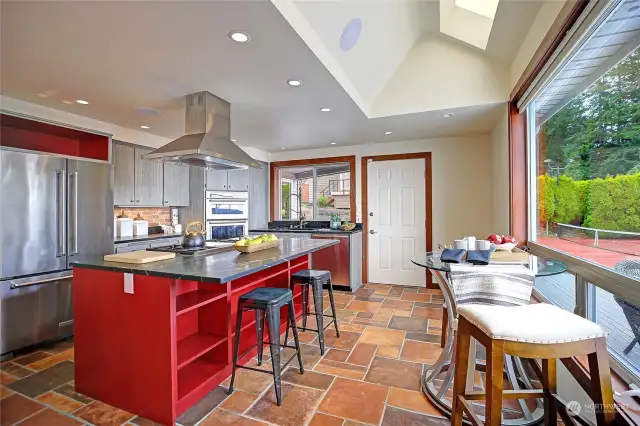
(584, 178)
(588, 168)
(314, 191)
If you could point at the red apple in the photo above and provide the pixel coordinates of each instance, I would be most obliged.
(508, 239)
(495, 239)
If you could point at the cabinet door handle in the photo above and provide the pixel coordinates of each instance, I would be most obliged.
(137, 201)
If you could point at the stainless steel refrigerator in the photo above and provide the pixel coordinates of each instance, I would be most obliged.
(52, 210)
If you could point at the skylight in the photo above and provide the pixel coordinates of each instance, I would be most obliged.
(485, 8)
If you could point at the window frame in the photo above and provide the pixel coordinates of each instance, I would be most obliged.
(522, 130)
(311, 162)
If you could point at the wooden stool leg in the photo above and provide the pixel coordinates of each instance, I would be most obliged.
(601, 390)
(549, 378)
(445, 325)
(494, 381)
(463, 340)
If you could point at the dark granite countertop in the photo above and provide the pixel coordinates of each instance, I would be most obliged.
(217, 268)
(135, 238)
(304, 231)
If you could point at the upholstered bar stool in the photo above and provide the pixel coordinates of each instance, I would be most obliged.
(531, 331)
(315, 279)
(267, 301)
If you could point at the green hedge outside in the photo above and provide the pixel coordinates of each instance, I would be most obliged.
(610, 203)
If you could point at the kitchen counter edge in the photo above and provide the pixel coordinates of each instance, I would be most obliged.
(218, 268)
(133, 239)
(305, 231)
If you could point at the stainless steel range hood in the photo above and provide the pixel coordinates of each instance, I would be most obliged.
(207, 140)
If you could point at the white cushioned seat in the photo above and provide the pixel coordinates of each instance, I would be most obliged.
(537, 323)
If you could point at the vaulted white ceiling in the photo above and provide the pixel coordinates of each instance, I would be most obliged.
(401, 76)
(410, 56)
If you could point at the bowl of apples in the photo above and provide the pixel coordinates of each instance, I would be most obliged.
(502, 242)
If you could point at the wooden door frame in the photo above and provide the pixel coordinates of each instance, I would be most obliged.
(351, 159)
(364, 199)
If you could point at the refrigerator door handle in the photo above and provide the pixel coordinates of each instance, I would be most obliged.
(61, 209)
(73, 201)
(24, 284)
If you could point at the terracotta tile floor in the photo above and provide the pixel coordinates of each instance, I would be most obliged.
(370, 375)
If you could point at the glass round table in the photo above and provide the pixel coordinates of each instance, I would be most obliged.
(437, 381)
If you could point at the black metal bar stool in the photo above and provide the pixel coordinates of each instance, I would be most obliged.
(267, 301)
(315, 279)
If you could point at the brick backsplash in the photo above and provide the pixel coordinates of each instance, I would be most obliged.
(155, 215)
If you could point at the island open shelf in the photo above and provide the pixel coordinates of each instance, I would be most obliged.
(161, 348)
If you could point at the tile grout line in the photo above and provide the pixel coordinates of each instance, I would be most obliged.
(29, 416)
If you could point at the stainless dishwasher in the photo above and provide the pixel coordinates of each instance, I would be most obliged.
(336, 259)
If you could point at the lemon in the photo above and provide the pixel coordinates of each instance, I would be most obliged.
(242, 242)
(273, 237)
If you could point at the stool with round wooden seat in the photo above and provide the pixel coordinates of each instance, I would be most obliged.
(531, 331)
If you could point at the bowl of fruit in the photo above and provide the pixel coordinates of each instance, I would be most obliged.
(253, 244)
(502, 242)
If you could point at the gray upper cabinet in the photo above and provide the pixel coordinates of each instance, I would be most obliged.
(148, 182)
(216, 180)
(238, 180)
(124, 175)
(176, 185)
(259, 197)
(228, 180)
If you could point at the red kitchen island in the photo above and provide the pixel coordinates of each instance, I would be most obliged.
(153, 339)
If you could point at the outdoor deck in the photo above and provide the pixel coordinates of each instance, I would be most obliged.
(560, 290)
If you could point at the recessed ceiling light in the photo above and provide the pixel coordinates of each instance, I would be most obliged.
(294, 83)
(42, 95)
(81, 102)
(387, 133)
(67, 102)
(234, 140)
(333, 143)
(447, 115)
(239, 36)
(325, 109)
(144, 127)
(282, 147)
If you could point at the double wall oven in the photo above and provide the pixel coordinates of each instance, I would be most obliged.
(226, 214)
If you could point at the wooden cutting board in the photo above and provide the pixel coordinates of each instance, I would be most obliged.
(140, 256)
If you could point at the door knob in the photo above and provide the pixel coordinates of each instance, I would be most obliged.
(373, 232)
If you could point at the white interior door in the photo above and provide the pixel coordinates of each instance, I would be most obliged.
(397, 221)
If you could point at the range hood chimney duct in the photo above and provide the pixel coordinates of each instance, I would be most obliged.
(207, 140)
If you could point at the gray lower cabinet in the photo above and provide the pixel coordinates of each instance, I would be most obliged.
(124, 175)
(259, 197)
(148, 181)
(238, 180)
(176, 185)
(145, 244)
